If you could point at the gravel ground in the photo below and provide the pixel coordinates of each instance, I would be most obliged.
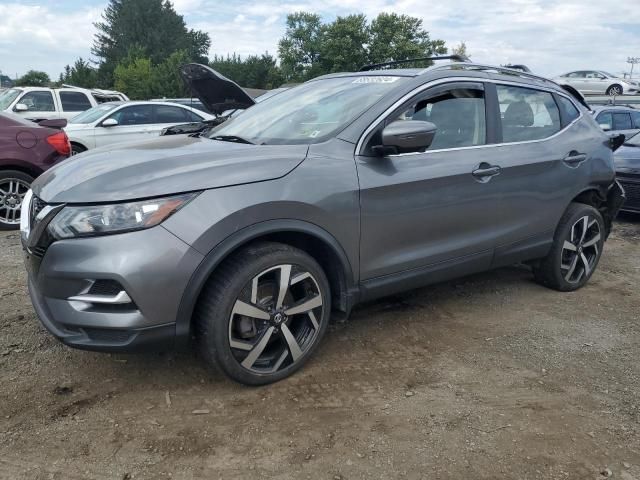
(491, 376)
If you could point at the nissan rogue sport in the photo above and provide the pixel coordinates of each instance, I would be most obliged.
(348, 187)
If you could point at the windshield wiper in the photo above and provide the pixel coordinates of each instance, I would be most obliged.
(232, 138)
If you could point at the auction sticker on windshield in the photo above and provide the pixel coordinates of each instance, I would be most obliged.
(377, 79)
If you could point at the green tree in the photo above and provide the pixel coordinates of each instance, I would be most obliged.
(299, 49)
(256, 71)
(344, 44)
(400, 37)
(152, 25)
(33, 78)
(165, 77)
(82, 74)
(134, 77)
(460, 49)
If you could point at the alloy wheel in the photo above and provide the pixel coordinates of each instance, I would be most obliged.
(12, 192)
(614, 91)
(580, 251)
(274, 320)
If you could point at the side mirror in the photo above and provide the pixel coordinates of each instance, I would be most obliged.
(110, 122)
(605, 126)
(404, 136)
(21, 107)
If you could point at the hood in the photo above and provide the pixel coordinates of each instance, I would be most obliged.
(163, 166)
(216, 92)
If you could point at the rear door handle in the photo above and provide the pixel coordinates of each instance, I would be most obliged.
(485, 172)
(574, 159)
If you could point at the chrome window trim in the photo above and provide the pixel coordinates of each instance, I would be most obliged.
(421, 88)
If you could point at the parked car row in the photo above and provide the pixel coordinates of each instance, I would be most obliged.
(249, 237)
(39, 103)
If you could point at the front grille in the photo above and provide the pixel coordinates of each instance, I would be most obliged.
(632, 192)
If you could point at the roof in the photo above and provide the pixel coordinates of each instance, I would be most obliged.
(623, 108)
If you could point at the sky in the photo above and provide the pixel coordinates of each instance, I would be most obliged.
(550, 36)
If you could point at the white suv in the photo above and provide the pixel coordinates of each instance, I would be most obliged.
(39, 103)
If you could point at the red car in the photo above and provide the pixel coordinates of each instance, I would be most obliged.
(26, 150)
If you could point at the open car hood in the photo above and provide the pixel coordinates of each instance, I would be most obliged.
(216, 92)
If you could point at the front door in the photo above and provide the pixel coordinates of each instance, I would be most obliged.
(438, 207)
(134, 123)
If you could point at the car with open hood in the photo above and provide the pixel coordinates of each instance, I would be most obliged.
(218, 95)
(243, 243)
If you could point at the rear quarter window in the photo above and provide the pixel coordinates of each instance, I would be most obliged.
(527, 114)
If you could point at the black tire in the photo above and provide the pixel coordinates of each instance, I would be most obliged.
(615, 89)
(574, 256)
(76, 149)
(19, 183)
(260, 268)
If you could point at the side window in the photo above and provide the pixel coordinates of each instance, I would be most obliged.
(569, 110)
(527, 114)
(605, 120)
(635, 117)
(74, 102)
(168, 114)
(576, 75)
(457, 113)
(38, 101)
(134, 115)
(622, 121)
(193, 117)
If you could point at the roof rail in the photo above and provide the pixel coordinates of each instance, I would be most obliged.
(504, 70)
(373, 66)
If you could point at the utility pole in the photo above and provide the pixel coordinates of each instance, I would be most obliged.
(633, 61)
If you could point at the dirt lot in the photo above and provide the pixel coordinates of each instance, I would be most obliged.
(491, 376)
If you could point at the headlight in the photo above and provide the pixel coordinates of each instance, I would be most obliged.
(82, 221)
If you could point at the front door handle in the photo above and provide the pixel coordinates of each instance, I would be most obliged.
(484, 172)
(574, 159)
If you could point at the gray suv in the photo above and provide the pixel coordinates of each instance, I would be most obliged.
(349, 187)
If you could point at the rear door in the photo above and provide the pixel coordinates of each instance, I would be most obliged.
(544, 160)
(134, 124)
(169, 115)
(72, 103)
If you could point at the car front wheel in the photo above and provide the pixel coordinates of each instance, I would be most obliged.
(13, 186)
(263, 313)
(614, 90)
(576, 249)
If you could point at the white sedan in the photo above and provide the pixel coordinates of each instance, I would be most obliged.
(118, 122)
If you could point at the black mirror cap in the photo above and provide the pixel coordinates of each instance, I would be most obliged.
(404, 136)
(616, 141)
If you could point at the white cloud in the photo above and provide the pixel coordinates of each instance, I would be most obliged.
(548, 35)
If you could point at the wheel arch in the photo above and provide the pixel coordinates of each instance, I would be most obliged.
(312, 239)
(30, 170)
(602, 199)
(79, 144)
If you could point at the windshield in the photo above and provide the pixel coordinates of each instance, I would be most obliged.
(608, 74)
(310, 113)
(7, 97)
(93, 114)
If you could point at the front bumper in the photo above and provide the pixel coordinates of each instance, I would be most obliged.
(151, 266)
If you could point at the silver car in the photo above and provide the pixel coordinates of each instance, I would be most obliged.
(598, 82)
(618, 119)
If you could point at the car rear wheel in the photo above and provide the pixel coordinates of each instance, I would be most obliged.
(263, 313)
(576, 249)
(614, 90)
(13, 186)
